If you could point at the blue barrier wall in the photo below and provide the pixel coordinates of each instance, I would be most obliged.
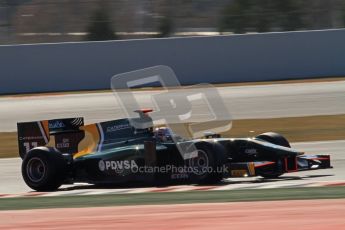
(236, 58)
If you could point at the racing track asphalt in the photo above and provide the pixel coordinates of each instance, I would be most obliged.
(243, 102)
(11, 181)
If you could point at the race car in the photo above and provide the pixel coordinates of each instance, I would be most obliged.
(65, 151)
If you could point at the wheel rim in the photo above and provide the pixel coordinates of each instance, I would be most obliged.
(200, 163)
(36, 169)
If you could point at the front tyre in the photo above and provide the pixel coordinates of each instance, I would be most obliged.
(277, 139)
(274, 138)
(44, 169)
(207, 166)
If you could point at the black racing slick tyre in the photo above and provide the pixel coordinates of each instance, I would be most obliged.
(277, 139)
(207, 167)
(274, 138)
(44, 169)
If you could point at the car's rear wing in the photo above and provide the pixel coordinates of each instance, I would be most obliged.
(66, 133)
(69, 135)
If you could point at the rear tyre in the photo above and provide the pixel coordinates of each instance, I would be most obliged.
(277, 139)
(44, 169)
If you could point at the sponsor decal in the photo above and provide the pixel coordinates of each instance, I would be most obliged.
(179, 176)
(117, 166)
(251, 151)
(101, 165)
(117, 127)
(79, 121)
(63, 144)
(31, 138)
(56, 125)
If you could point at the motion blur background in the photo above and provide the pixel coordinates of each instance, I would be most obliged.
(38, 21)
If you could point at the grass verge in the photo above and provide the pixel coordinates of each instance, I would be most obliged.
(172, 198)
(312, 128)
(8, 145)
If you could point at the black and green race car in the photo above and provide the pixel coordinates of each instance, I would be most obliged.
(65, 151)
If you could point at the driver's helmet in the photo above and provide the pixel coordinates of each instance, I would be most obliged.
(163, 134)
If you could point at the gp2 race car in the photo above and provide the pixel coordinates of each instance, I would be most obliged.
(64, 151)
